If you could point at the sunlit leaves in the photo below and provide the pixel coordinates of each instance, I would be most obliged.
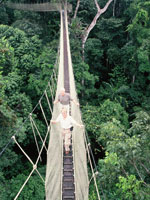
(129, 188)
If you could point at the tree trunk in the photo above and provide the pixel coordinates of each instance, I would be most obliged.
(93, 23)
(114, 7)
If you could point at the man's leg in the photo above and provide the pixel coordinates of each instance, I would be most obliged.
(67, 140)
(63, 136)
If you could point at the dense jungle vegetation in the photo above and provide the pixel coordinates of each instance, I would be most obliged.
(113, 84)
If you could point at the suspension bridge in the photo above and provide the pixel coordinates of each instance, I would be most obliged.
(66, 175)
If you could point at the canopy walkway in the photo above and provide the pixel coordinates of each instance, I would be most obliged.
(69, 178)
(66, 175)
(38, 7)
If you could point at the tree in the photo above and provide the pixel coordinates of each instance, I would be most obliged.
(129, 188)
(93, 23)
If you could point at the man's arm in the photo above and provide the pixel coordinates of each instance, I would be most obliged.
(53, 122)
(56, 121)
(56, 101)
(76, 103)
(74, 122)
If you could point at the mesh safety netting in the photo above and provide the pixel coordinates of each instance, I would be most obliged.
(55, 151)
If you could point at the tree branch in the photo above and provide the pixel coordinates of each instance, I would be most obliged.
(134, 164)
(76, 10)
(98, 7)
(124, 171)
(93, 23)
(145, 168)
(106, 6)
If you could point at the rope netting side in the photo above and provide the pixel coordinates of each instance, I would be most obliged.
(54, 166)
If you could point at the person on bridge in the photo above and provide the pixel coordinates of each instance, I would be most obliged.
(64, 99)
(66, 122)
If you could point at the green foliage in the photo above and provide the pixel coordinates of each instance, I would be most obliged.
(109, 170)
(85, 81)
(6, 56)
(105, 123)
(33, 190)
(139, 32)
(112, 110)
(28, 27)
(94, 54)
(92, 193)
(129, 188)
(111, 131)
(3, 193)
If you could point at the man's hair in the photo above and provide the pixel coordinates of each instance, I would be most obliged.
(64, 110)
(62, 89)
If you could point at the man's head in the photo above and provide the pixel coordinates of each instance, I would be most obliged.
(62, 91)
(64, 112)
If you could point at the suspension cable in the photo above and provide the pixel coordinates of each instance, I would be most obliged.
(34, 165)
(51, 91)
(24, 184)
(92, 169)
(91, 152)
(48, 102)
(38, 132)
(43, 112)
(34, 136)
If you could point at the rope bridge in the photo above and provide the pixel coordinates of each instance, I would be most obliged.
(61, 182)
(38, 7)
